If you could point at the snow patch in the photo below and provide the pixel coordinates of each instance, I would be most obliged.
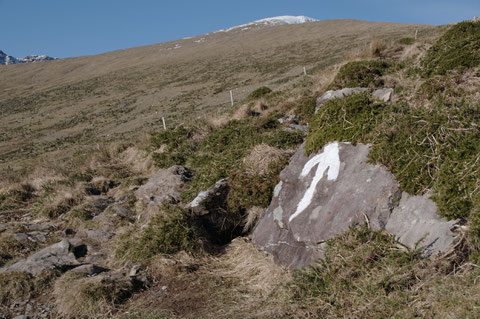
(328, 160)
(280, 20)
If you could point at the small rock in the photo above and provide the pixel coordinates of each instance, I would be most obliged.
(96, 235)
(214, 197)
(89, 269)
(337, 94)
(384, 95)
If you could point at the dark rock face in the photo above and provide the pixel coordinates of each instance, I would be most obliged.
(322, 195)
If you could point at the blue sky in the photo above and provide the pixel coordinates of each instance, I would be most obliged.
(65, 28)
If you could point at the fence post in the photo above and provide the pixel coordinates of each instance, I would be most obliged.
(164, 126)
(416, 34)
(231, 97)
(305, 70)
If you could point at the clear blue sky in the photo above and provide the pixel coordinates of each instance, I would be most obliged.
(64, 28)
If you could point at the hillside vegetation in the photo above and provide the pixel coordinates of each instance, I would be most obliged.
(428, 136)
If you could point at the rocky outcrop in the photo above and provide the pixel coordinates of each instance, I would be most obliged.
(381, 94)
(60, 256)
(322, 195)
(165, 186)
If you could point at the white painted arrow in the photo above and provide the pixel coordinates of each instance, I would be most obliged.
(330, 160)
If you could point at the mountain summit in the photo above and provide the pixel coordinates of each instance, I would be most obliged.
(280, 20)
(8, 59)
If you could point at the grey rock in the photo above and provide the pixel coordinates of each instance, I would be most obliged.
(122, 211)
(165, 186)
(289, 119)
(100, 203)
(295, 127)
(96, 235)
(416, 224)
(31, 237)
(21, 317)
(214, 197)
(61, 256)
(337, 94)
(89, 269)
(384, 95)
(43, 227)
(319, 197)
(322, 195)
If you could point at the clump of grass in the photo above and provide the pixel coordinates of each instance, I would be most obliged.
(167, 233)
(458, 49)
(426, 149)
(305, 108)
(361, 74)
(260, 92)
(248, 190)
(17, 197)
(9, 248)
(179, 143)
(19, 285)
(367, 274)
(222, 151)
(80, 296)
(406, 41)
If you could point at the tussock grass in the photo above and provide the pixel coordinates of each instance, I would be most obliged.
(16, 286)
(367, 274)
(90, 297)
(166, 233)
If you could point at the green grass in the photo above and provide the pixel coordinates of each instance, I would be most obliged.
(406, 41)
(458, 49)
(260, 92)
(168, 232)
(362, 74)
(367, 274)
(425, 148)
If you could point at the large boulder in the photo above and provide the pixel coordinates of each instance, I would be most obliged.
(60, 256)
(322, 195)
(165, 186)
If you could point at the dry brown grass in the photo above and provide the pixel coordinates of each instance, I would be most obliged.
(241, 282)
(90, 297)
(260, 157)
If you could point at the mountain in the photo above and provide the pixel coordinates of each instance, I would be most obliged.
(274, 21)
(8, 59)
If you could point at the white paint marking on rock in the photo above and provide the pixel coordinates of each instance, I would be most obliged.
(330, 160)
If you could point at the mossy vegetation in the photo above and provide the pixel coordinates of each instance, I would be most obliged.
(221, 150)
(426, 149)
(362, 74)
(260, 92)
(406, 41)
(306, 108)
(458, 49)
(167, 232)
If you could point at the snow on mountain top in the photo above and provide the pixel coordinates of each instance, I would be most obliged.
(7, 59)
(272, 21)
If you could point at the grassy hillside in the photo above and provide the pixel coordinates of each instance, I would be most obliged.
(76, 125)
(78, 102)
